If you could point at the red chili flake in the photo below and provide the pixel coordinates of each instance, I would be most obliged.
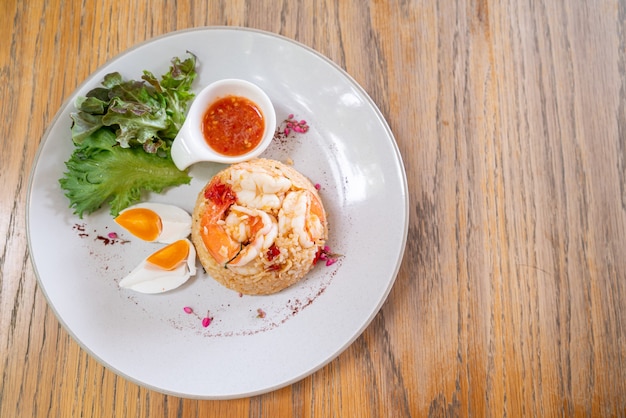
(188, 310)
(81, 229)
(260, 313)
(105, 240)
(318, 186)
(273, 252)
(111, 239)
(318, 256)
(220, 194)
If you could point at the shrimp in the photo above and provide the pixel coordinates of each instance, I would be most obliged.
(234, 234)
(303, 214)
(259, 189)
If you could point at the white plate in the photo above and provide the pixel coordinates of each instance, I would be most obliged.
(349, 150)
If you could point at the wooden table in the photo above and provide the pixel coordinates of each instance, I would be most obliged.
(511, 120)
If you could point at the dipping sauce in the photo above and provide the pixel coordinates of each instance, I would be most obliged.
(233, 126)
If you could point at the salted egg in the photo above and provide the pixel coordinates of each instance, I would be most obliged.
(155, 222)
(163, 270)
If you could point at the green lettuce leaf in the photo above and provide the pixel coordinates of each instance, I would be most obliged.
(100, 171)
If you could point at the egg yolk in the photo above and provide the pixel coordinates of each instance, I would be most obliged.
(170, 256)
(142, 223)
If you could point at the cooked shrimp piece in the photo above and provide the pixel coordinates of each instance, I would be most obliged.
(237, 238)
(258, 188)
(302, 213)
(236, 234)
(252, 226)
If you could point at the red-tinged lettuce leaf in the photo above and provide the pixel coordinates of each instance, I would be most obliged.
(147, 113)
(175, 88)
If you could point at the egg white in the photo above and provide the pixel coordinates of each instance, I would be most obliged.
(148, 278)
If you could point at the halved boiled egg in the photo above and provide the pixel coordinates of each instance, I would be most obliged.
(155, 222)
(163, 270)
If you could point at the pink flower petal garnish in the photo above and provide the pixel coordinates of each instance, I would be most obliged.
(206, 321)
(188, 310)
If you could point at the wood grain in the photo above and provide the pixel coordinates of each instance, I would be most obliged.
(511, 120)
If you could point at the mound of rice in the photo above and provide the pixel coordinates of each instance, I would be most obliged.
(273, 270)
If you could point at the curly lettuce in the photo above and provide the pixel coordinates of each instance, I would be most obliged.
(100, 171)
(122, 133)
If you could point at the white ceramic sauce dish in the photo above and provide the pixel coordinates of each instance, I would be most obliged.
(190, 146)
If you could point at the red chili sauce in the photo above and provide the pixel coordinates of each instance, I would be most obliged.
(233, 125)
